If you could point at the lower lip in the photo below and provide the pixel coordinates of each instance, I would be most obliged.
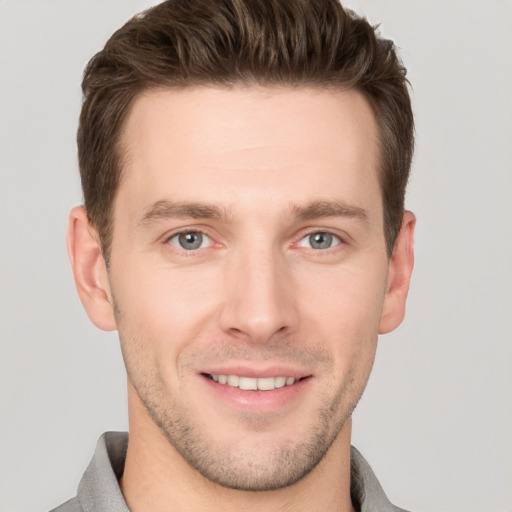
(257, 400)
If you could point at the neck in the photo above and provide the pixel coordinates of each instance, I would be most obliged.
(156, 478)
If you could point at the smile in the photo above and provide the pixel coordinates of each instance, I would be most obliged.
(252, 383)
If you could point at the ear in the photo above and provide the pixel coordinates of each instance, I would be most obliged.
(89, 270)
(399, 276)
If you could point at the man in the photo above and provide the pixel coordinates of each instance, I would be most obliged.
(244, 167)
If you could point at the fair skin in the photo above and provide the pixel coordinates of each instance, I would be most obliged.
(248, 242)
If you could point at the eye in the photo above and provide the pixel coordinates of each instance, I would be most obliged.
(190, 240)
(320, 240)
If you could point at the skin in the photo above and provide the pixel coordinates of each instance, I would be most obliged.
(265, 169)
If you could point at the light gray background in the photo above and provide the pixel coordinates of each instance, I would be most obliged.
(436, 420)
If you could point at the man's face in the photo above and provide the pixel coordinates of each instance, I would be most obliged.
(248, 247)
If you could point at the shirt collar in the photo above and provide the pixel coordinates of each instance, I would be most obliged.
(99, 489)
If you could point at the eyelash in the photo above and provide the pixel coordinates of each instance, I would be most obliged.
(176, 236)
(336, 239)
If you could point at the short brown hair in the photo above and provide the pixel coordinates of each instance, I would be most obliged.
(180, 43)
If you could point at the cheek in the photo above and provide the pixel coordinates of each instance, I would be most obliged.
(166, 307)
(343, 307)
(349, 298)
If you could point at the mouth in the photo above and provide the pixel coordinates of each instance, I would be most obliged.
(254, 383)
(256, 390)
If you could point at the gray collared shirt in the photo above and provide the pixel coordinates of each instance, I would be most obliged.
(99, 490)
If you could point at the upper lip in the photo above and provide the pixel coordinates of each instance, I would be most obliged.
(252, 371)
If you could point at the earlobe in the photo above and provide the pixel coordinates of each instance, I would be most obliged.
(89, 270)
(399, 276)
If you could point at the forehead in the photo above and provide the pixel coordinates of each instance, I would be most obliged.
(229, 144)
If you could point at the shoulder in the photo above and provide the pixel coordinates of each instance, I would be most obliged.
(73, 505)
(98, 490)
(366, 491)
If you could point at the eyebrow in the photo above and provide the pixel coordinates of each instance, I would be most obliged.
(330, 208)
(165, 209)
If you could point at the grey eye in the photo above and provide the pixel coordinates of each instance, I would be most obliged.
(190, 240)
(320, 240)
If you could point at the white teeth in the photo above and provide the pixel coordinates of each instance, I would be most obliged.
(248, 383)
(279, 382)
(252, 383)
(265, 384)
(233, 380)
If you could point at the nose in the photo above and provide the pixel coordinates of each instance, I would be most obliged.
(259, 301)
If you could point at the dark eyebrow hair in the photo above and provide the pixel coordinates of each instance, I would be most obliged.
(165, 209)
(329, 208)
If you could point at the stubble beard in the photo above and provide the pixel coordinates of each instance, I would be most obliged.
(238, 466)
